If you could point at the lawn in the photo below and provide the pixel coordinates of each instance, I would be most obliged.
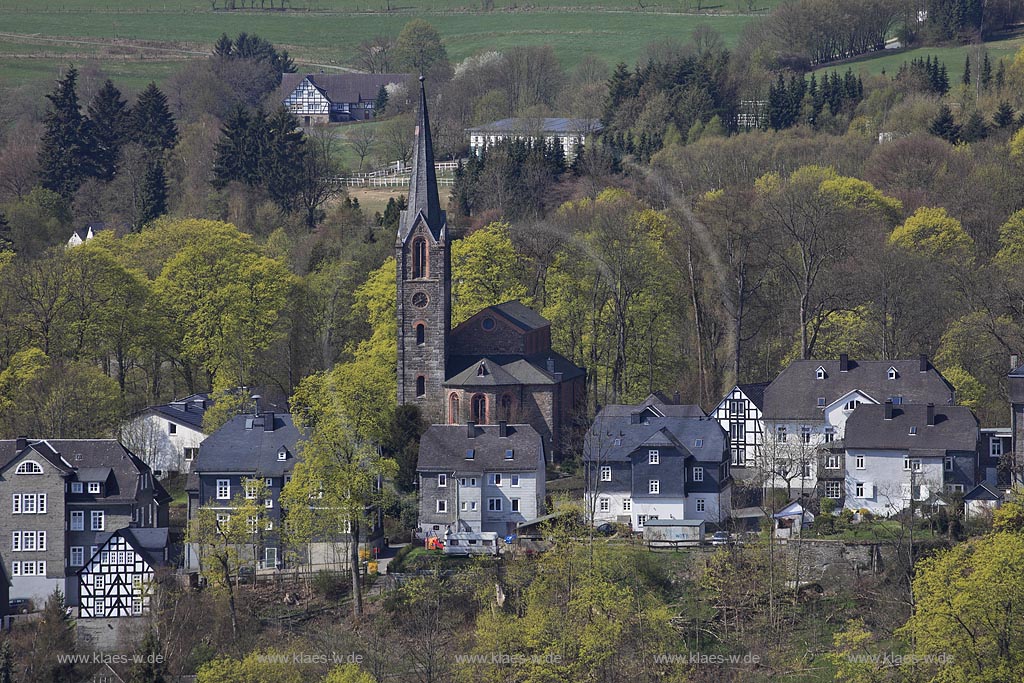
(36, 37)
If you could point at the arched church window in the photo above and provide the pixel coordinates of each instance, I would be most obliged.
(453, 409)
(420, 267)
(421, 386)
(421, 334)
(480, 409)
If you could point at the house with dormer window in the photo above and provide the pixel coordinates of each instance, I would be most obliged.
(167, 436)
(656, 460)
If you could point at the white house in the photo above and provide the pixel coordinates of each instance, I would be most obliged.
(82, 235)
(740, 414)
(567, 132)
(118, 579)
(167, 437)
(323, 98)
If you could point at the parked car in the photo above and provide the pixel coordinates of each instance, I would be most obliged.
(19, 605)
(720, 538)
(606, 529)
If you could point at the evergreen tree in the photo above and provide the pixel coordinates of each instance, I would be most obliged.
(223, 47)
(234, 159)
(943, 79)
(974, 128)
(151, 668)
(152, 122)
(282, 159)
(943, 125)
(66, 149)
(110, 118)
(1000, 75)
(6, 243)
(382, 101)
(620, 88)
(154, 194)
(6, 663)
(55, 636)
(1004, 116)
(967, 71)
(985, 78)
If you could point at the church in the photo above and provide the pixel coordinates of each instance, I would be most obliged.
(497, 366)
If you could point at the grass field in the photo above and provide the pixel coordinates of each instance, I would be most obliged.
(144, 40)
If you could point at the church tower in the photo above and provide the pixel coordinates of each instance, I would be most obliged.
(424, 282)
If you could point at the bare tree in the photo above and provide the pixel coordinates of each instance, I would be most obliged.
(396, 139)
(374, 55)
(321, 171)
(362, 140)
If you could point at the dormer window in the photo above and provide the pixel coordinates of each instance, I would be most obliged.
(94, 487)
(481, 370)
(698, 443)
(653, 457)
(892, 374)
(470, 453)
(29, 467)
(819, 373)
(282, 454)
(913, 431)
(509, 453)
(821, 401)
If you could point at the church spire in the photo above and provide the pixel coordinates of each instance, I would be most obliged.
(423, 197)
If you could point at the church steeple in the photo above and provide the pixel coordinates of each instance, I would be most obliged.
(423, 199)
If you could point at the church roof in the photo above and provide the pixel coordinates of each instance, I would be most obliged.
(510, 369)
(520, 315)
(485, 373)
(423, 199)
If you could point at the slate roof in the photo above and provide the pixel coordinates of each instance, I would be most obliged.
(423, 199)
(520, 315)
(244, 445)
(542, 125)
(755, 392)
(614, 436)
(982, 492)
(658, 403)
(95, 459)
(344, 87)
(794, 393)
(509, 369)
(443, 449)
(955, 429)
(187, 411)
(150, 543)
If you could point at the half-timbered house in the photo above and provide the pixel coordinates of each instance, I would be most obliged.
(323, 98)
(119, 578)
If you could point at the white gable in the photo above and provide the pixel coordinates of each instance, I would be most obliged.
(307, 99)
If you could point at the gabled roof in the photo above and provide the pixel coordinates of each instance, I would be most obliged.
(510, 370)
(150, 543)
(754, 392)
(955, 429)
(527, 126)
(794, 393)
(615, 435)
(658, 407)
(520, 315)
(188, 411)
(244, 446)
(443, 449)
(424, 204)
(485, 373)
(343, 87)
(983, 492)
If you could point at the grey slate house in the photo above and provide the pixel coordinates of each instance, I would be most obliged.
(657, 461)
(895, 453)
(479, 478)
(65, 498)
(262, 446)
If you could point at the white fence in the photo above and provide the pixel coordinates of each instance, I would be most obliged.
(396, 174)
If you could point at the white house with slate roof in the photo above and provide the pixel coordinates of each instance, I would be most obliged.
(119, 578)
(569, 133)
(479, 478)
(167, 436)
(320, 98)
(656, 461)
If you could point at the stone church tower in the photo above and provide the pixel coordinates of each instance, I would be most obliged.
(424, 282)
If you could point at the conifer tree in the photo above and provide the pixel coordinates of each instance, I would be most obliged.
(6, 243)
(382, 101)
(967, 71)
(66, 149)
(974, 128)
(282, 159)
(1000, 75)
(233, 160)
(1004, 116)
(223, 47)
(985, 78)
(6, 663)
(110, 119)
(943, 125)
(150, 667)
(154, 194)
(152, 122)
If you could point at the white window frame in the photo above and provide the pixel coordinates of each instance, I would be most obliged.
(28, 503)
(79, 517)
(606, 472)
(805, 434)
(604, 504)
(830, 434)
(891, 373)
(94, 487)
(654, 487)
(494, 504)
(947, 463)
(442, 506)
(29, 467)
(514, 481)
(654, 457)
(859, 462)
(496, 479)
(832, 461)
(698, 474)
(514, 504)
(95, 515)
(700, 505)
(79, 551)
(916, 465)
(780, 434)
(906, 463)
(442, 481)
(268, 503)
(223, 489)
(833, 489)
(995, 447)
(819, 373)
(627, 505)
(16, 504)
(76, 487)
(858, 490)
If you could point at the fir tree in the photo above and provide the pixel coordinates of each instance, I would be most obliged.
(152, 122)
(382, 101)
(151, 668)
(974, 128)
(967, 71)
(943, 125)
(234, 159)
(6, 243)
(55, 636)
(619, 90)
(1000, 75)
(110, 118)
(154, 194)
(985, 78)
(1004, 116)
(282, 159)
(223, 47)
(67, 148)
(943, 79)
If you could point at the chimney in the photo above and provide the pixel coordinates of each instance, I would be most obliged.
(929, 416)
(888, 409)
(268, 422)
(551, 366)
(471, 430)
(21, 443)
(502, 429)
(634, 418)
(923, 363)
(256, 403)
(1013, 362)
(844, 362)
(675, 398)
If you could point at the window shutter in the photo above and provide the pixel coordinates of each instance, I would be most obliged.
(869, 489)
(16, 504)
(42, 540)
(42, 503)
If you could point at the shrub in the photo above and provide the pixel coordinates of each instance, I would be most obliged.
(332, 585)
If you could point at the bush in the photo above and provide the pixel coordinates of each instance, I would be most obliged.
(332, 585)
(397, 564)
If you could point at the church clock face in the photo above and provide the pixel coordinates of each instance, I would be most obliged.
(420, 299)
